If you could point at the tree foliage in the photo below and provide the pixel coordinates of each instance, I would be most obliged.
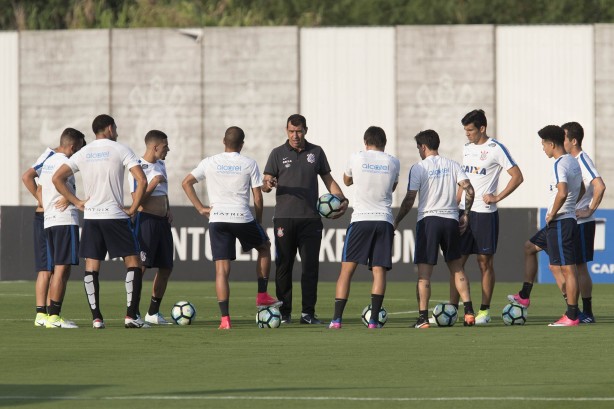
(68, 14)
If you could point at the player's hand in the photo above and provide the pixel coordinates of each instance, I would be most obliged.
(169, 216)
(129, 211)
(271, 183)
(62, 204)
(489, 198)
(81, 204)
(344, 206)
(205, 211)
(463, 223)
(549, 218)
(583, 213)
(159, 179)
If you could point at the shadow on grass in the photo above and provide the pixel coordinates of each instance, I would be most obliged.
(14, 395)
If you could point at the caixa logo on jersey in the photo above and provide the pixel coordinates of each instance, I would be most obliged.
(475, 170)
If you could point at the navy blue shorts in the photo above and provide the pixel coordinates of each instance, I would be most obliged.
(155, 240)
(223, 237)
(433, 232)
(42, 261)
(482, 234)
(585, 245)
(63, 243)
(558, 240)
(113, 236)
(369, 243)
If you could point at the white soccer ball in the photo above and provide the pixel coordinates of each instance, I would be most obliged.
(445, 315)
(183, 313)
(268, 317)
(514, 314)
(328, 205)
(366, 315)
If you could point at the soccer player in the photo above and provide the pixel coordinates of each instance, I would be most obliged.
(293, 168)
(435, 180)
(61, 225)
(229, 177)
(559, 235)
(483, 160)
(585, 209)
(153, 221)
(107, 226)
(370, 235)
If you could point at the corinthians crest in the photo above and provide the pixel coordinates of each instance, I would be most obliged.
(483, 155)
(311, 158)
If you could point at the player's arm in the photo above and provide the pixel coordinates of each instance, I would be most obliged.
(598, 191)
(258, 203)
(515, 181)
(406, 205)
(188, 187)
(348, 180)
(151, 186)
(59, 181)
(334, 189)
(559, 200)
(139, 191)
(466, 187)
(29, 180)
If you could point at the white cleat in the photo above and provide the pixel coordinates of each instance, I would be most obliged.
(135, 323)
(98, 324)
(157, 319)
(55, 321)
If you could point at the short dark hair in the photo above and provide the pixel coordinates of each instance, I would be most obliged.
(476, 117)
(375, 136)
(71, 136)
(552, 133)
(574, 131)
(101, 122)
(429, 138)
(234, 137)
(155, 136)
(297, 120)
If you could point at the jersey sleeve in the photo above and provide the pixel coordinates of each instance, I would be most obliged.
(460, 173)
(324, 168)
(589, 172)
(560, 172)
(38, 164)
(415, 177)
(397, 169)
(74, 161)
(255, 176)
(504, 159)
(348, 166)
(199, 171)
(271, 167)
(129, 159)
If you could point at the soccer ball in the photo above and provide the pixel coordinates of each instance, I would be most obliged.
(514, 314)
(445, 315)
(183, 313)
(366, 316)
(328, 205)
(268, 317)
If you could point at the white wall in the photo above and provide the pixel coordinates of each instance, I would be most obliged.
(9, 118)
(545, 75)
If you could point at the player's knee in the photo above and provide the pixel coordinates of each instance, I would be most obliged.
(530, 248)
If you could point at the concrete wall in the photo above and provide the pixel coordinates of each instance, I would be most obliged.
(9, 117)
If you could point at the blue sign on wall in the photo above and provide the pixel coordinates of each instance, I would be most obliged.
(601, 268)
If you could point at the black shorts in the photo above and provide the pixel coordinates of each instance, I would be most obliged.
(155, 240)
(63, 243)
(223, 237)
(585, 245)
(369, 243)
(433, 232)
(42, 261)
(113, 236)
(558, 239)
(482, 234)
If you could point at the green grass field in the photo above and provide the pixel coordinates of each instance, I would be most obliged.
(298, 366)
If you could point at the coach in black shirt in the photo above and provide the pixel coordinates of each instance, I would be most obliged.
(293, 169)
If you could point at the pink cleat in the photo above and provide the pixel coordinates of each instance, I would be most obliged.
(265, 300)
(373, 325)
(517, 299)
(334, 325)
(565, 321)
(225, 323)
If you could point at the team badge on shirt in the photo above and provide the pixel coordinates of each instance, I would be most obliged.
(280, 232)
(143, 256)
(311, 158)
(483, 155)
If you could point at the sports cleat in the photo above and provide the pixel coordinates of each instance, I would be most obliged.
(265, 300)
(469, 320)
(286, 319)
(98, 324)
(156, 319)
(432, 320)
(309, 319)
(55, 321)
(137, 322)
(517, 299)
(225, 323)
(41, 319)
(422, 323)
(374, 325)
(335, 324)
(482, 318)
(586, 318)
(565, 321)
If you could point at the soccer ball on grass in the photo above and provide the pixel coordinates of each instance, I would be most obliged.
(183, 313)
(366, 316)
(445, 315)
(268, 317)
(514, 314)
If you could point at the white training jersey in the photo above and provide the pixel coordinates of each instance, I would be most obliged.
(152, 170)
(565, 169)
(436, 180)
(103, 164)
(37, 166)
(589, 172)
(230, 178)
(374, 173)
(483, 164)
(53, 216)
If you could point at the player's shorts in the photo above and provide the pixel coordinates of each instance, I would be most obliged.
(113, 236)
(585, 245)
(223, 238)
(433, 232)
(482, 234)
(369, 243)
(42, 262)
(558, 240)
(155, 240)
(63, 243)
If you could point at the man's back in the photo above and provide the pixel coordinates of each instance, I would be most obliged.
(566, 169)
(53, 216)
